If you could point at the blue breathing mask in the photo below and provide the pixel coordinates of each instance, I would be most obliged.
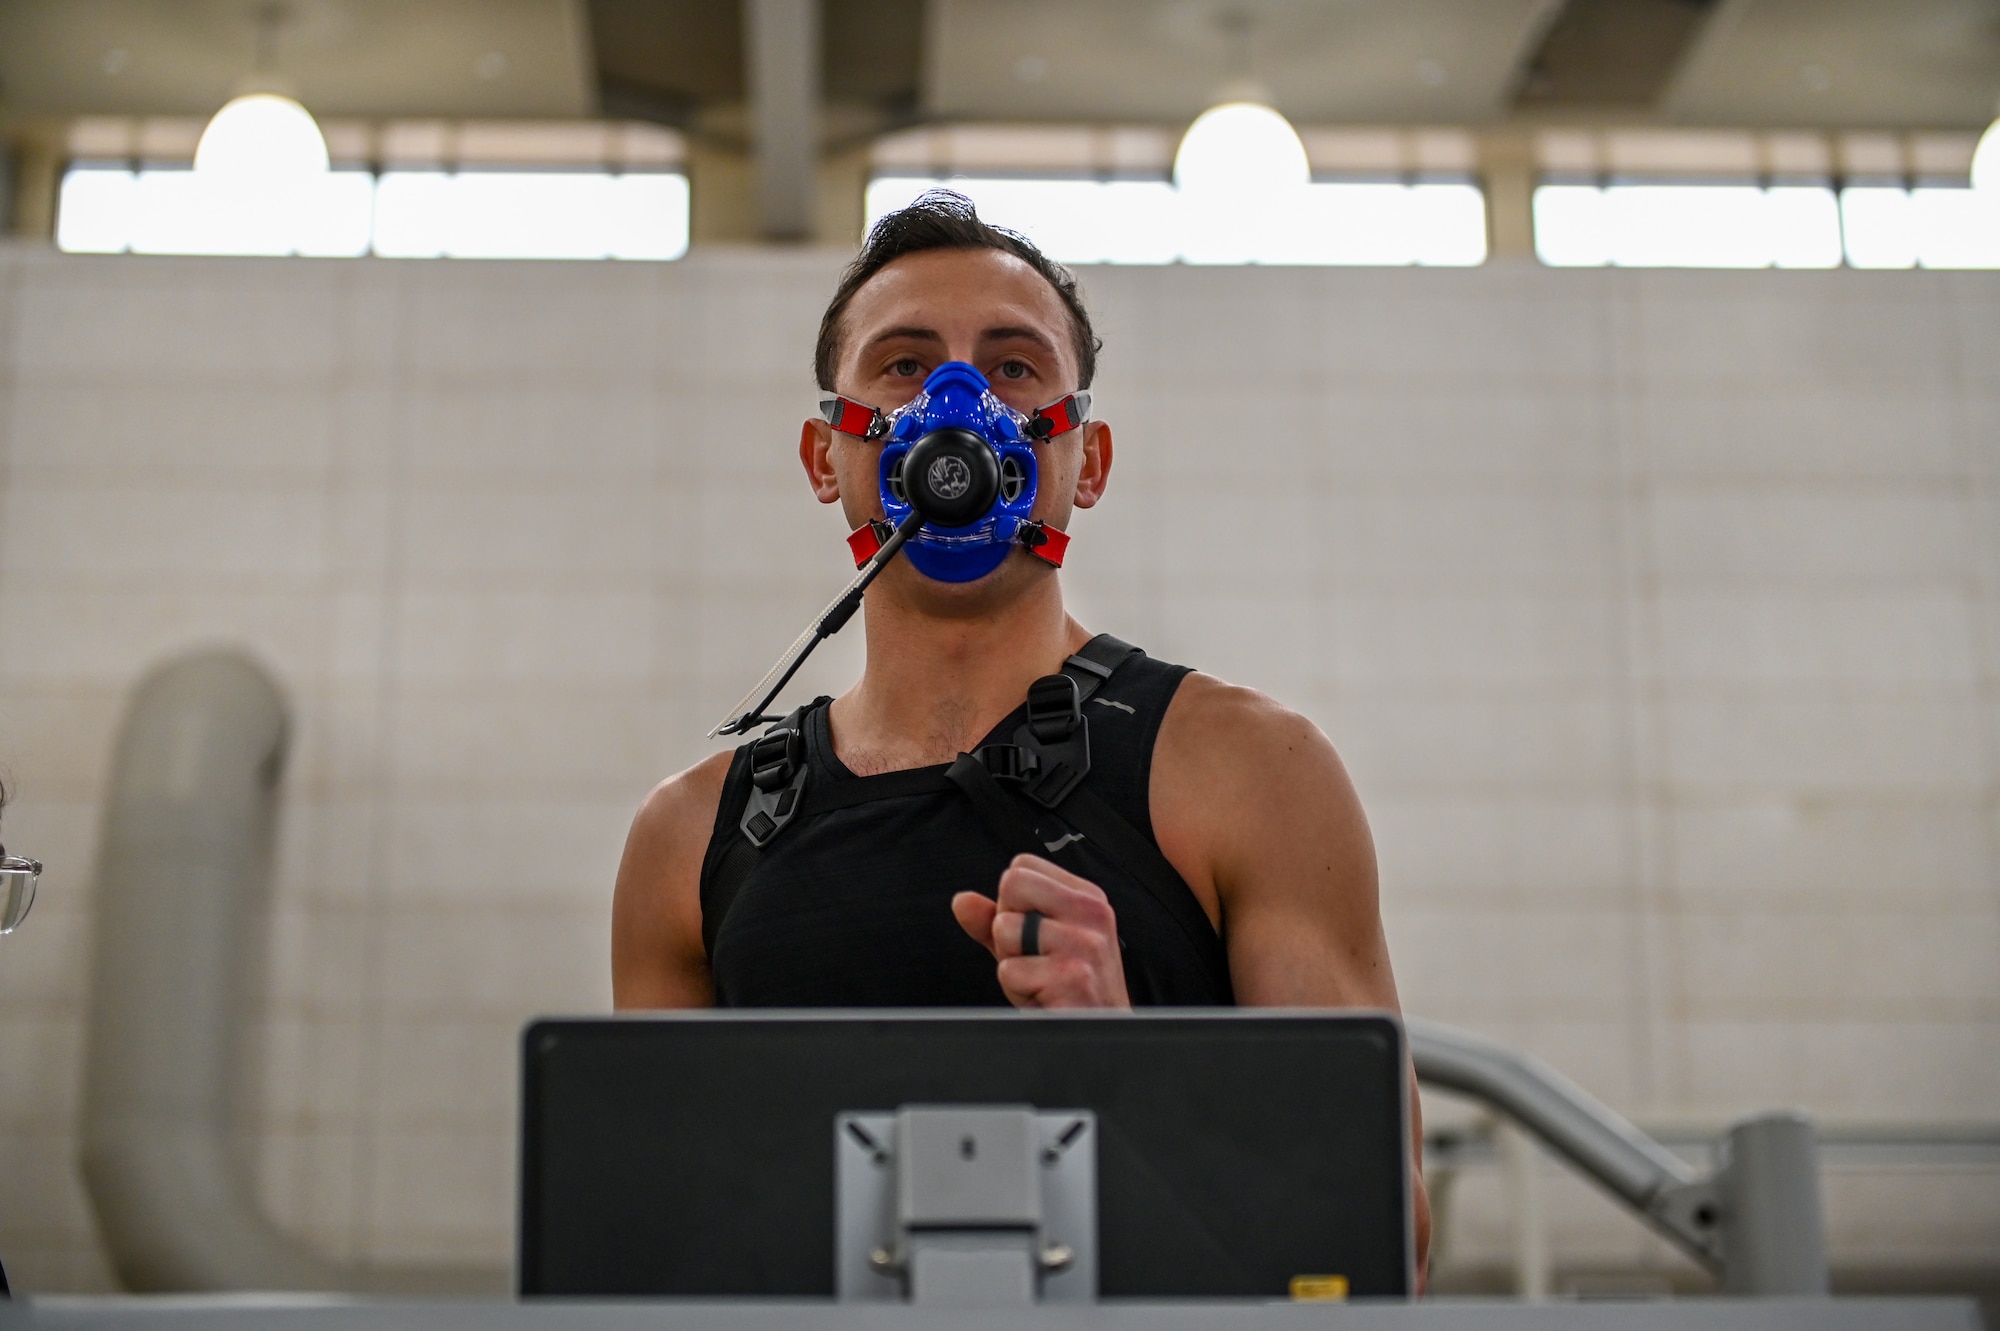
(965, 460)
(957, 475)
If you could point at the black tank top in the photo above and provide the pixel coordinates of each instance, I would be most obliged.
(850, 905)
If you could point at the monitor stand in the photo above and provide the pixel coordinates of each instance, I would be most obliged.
(967, 1206)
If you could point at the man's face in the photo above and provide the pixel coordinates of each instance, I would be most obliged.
(981, 306)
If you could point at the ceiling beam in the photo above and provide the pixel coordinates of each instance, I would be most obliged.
(781, 39)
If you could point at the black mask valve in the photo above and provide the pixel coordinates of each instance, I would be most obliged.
(952, 477)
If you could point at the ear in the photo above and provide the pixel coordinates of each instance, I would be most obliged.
(816, 456)
(1095, 473)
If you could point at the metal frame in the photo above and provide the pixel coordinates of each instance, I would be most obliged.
(1756, 1219)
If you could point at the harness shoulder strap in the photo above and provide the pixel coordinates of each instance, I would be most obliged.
(1095, 662)
(987, 778)
(730, 856)
(771, 772)
(1144, 861)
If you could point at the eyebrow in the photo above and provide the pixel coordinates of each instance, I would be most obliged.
(1003, 333)
(1009, 332)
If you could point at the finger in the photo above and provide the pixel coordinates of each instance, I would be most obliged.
(1026, 887)
(1049, 982)
(975, 914)
(1010, 929)
(1085, 906)
(1051, 869)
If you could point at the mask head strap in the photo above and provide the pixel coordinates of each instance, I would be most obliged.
(1060, 416)
(1044, 542)
(866, 539)
(851, 417)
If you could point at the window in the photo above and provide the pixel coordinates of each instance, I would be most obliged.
(1147, 221)
(487, 191)
(1761, 199)
(403, 214)
(1781, 226)
(531, 215)
(1687, 226)
(1928, 227)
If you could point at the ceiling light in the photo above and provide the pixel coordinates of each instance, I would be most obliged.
(262, 136)
(1240, 177)
(1986, 160)
(1240, 147)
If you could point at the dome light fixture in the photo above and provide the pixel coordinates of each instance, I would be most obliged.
(1239, 147)
(1241, 175)
(262, 136)
(1986, 160)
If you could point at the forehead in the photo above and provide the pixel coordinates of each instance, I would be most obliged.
(958, 293)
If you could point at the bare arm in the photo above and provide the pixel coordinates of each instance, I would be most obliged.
(1254, 807)
(657, 956)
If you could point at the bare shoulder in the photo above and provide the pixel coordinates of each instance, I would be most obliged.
(1222, 740)
(1208, 712)
(1253, 805)
(657, 955)
(683, 806)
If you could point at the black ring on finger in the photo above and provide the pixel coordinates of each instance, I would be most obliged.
(1031, 934)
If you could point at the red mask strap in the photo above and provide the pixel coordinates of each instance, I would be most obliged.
(851, 417)
(1060, 416)
(1046, 543)
(866, 539)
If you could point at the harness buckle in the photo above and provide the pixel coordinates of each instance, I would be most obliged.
(1055, 708)
(1009, 762)
(1050, 755)
(775, 758)
(777, 779)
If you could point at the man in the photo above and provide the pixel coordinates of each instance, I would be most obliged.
(1259, 882)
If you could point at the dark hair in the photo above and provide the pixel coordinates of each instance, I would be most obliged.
(941, 219)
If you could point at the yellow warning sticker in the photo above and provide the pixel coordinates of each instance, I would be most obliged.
(1319, 1289)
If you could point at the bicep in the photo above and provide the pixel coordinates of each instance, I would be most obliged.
(658, 959)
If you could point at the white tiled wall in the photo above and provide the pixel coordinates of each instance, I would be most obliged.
(1657, 616)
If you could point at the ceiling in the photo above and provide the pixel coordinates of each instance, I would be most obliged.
(458, 58)
(1321, 60)
(1753, 63)
(1843, 62)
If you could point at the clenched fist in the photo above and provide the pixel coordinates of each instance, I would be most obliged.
(1076, 961)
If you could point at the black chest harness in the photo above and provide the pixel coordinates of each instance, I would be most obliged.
(1009, 786)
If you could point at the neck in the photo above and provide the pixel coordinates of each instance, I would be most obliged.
(935, 684)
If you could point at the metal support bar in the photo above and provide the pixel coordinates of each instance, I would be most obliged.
(1757, 1219)
(781, 38)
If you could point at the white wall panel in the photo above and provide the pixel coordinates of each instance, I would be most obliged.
(1656, 615)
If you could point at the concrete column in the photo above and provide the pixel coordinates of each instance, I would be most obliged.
(1507, 168)
(781, 40)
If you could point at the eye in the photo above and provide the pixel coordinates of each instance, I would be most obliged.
(1015, 369)
(906, 367)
